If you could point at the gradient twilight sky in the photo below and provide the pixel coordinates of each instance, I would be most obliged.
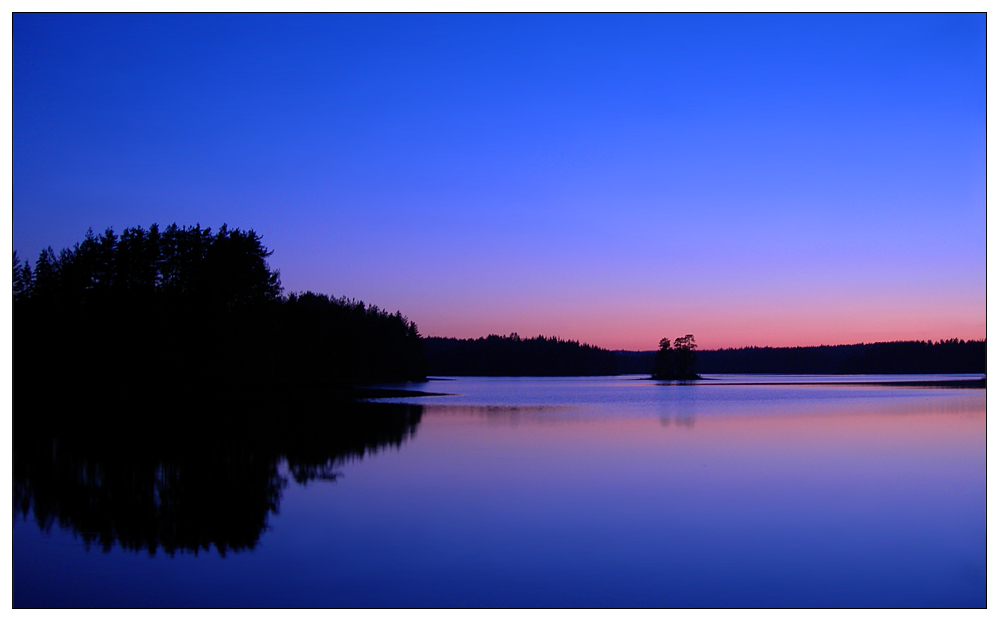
(751, 179)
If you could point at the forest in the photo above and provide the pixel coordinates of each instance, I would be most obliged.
(188, 309)
(944, 356)
(681, 360)
(512, 355)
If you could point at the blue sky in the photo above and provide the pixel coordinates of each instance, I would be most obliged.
(753, 179)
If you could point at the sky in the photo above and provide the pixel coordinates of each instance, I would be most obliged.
(752, 179)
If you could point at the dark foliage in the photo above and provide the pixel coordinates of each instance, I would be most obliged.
(324, 337)
(185, 308)
(676, 360)
(947, 356)
(635, 362)
(950, 356)
(513, 356)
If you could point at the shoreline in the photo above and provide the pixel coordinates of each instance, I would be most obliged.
(979, 383)
(958, 383)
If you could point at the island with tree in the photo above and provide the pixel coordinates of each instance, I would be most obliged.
(676, 360)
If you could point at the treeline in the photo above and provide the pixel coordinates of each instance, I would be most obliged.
(512, 355)
(945, 356)
(186, 308)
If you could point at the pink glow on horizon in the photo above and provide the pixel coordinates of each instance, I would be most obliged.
(775, 327)
(757, 180)
(788, 333)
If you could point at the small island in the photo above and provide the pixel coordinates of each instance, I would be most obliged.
(675, 361)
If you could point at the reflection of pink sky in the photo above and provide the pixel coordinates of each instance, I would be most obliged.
(836, 462)
(843, 402)
(889, 446)
(838, 490)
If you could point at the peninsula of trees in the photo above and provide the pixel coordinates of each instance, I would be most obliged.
(187, 308)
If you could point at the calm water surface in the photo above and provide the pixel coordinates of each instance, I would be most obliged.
(553, 492)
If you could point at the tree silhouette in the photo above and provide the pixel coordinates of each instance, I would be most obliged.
(22, 279)
(665, 367)
(191, 309)
(516, 356)
(675, 361)
(946, 356)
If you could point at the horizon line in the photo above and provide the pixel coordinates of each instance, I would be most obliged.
(581, 343)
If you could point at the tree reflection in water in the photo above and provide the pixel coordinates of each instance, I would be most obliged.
(151, 478)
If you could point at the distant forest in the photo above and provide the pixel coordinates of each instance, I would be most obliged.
(186, 308)
(513, 356)
(950, 356)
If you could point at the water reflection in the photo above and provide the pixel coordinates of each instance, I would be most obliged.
(544, 493)
(680, 411)
(686, 422)
(190, 486)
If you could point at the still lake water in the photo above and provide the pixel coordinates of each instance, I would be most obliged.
(557, 492)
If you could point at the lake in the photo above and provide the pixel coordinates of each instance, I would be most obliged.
(737, 491)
